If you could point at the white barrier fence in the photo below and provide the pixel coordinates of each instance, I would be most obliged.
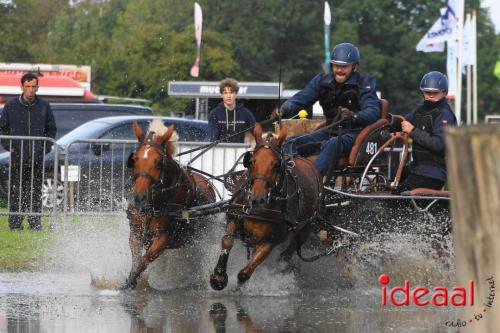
(97, 181)
(91, 177)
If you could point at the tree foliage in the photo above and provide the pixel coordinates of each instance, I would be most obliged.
(136, 46)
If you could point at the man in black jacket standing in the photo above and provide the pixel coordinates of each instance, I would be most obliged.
(31, 116)
(229, 118)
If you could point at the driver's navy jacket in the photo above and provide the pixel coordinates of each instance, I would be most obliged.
(428, 147)
(369, 107)
(20, 118)
(223, 123)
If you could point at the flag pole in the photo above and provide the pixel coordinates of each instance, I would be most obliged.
(474, 67)
(458, 99)
(469, 81)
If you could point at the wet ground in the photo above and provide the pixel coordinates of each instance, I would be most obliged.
(75, 288)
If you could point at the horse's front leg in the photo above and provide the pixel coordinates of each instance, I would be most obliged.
(158, 244)
(287, 254)
(218, 279)
(135, 241)
(262, 251)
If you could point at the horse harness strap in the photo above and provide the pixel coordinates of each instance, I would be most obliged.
(286, 168)
(278, 192)
(264, 214)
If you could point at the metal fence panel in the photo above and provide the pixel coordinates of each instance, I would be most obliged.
(28, 174)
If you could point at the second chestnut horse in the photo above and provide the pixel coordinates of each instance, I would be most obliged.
(283, 200)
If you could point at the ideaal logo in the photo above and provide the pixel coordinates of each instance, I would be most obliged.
(438, 296)
(422, 296)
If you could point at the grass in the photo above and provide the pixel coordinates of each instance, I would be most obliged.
(22, 250)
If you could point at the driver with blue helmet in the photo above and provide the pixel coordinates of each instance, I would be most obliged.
(343, 93)
(425, 125)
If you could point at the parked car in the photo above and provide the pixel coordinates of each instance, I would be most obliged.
(101, 165)
(69, 116)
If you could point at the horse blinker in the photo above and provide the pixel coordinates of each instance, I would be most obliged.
(247, 159)
(131, 161)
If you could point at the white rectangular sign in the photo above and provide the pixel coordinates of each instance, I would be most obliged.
(72, 174)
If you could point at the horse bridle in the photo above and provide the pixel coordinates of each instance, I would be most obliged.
(274, 185)
(161, 151)
(156, 183)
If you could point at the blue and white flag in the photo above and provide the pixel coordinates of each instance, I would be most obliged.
(442, 30)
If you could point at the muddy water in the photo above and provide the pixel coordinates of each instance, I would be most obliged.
(75, 288)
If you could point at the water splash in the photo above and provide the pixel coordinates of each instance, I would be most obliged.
(411, 249)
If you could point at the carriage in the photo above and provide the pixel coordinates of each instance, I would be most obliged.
(278, 198)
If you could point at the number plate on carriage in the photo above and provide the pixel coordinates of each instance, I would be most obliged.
(185, 215)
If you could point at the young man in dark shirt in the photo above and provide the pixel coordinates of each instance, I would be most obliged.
(229, 117)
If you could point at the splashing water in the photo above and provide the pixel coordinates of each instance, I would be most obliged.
(99, 247)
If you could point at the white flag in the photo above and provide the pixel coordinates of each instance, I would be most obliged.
(328, 14)
(451, 68)
(469, 42)
(198, 23)
(442, 30)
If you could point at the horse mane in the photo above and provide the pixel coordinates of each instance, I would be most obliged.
(158, 128)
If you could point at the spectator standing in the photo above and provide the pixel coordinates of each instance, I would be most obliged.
(30, 116)
(229, 117)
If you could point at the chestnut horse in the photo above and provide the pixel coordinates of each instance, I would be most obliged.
(162, 190)
(283, 200)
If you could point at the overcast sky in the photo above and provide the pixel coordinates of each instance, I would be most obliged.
(494, 6)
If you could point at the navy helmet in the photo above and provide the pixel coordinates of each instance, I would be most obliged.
(345, 54)
(434, 82)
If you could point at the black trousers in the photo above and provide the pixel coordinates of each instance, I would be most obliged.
(411, 181)
(25, 193)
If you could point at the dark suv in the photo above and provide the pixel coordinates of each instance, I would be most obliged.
(69, 116)
(102, 165)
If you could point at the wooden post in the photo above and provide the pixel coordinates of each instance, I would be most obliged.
(473, 159)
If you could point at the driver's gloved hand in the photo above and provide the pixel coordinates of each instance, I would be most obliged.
(394, 124)
(347, 116)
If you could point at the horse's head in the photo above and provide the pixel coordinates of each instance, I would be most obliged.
(152, 159)
(265, 164)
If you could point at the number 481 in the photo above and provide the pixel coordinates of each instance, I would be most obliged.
(371, 148)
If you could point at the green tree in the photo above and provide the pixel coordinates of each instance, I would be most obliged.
(153, 43)
(24, 26)
(136, 47)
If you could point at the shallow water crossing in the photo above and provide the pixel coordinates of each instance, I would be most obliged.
(75, 289)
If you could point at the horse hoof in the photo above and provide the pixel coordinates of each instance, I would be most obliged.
(124, 286)
(243, 277)
(218, 282)
(128, 285)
